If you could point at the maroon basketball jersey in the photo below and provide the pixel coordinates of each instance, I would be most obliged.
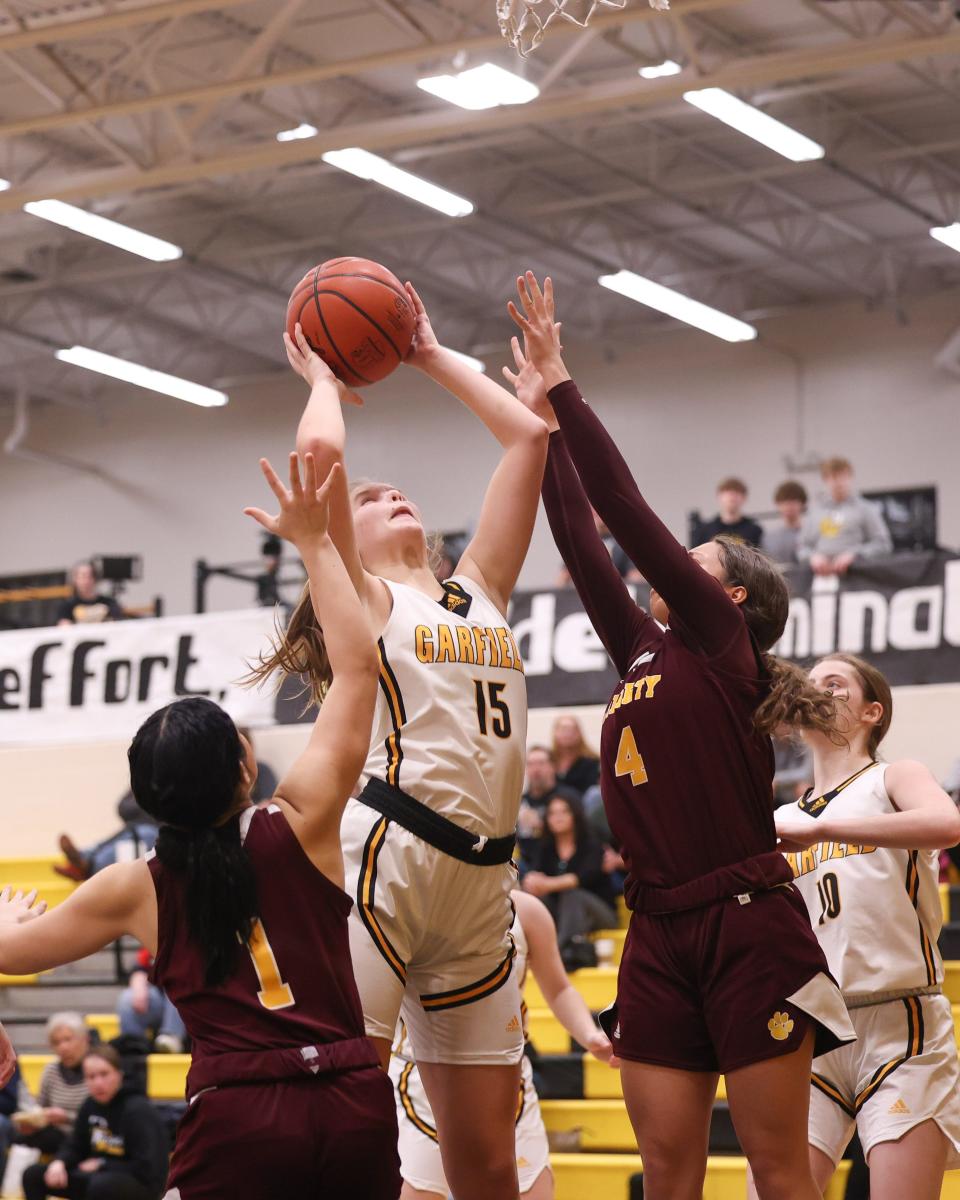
(686, 780)
(293, 986)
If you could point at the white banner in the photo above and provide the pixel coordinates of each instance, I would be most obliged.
(81, 682)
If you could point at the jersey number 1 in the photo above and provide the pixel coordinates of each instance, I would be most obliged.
(274, 993)
(629, 759)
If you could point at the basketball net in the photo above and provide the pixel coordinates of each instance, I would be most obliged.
(524, 22)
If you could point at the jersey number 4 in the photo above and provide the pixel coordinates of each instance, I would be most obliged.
(490, 701)
(629, 759)
(274, 993)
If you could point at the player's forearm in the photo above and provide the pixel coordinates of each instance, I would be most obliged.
(337, 607)
(508, 420)
(569, 1008)
(321, 429)
(914, 829)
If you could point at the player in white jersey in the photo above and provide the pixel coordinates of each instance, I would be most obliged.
(863, 844)
(420, 1165)
(428, 843)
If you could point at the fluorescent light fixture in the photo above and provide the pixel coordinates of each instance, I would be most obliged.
(145, 377)
(370, 166)
(298, 133)
(948, 234)
(473, 363)
(486, 86)
(104, 230)
(659, 70)
(755, 124)
(675, 304)
(4, 184)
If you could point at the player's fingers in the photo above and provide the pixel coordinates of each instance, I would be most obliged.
(5, 895)
(41, 908)
(273, 480)
(548, 297)
(304, 345)
(509, 376)
(525, 298)
(518, 317)
(348, 395)
(418, 306)
(323, 491)
(310, 484)
(262, 518)
(296, 487)
(536, 295)
(518, 355)
(30, 898)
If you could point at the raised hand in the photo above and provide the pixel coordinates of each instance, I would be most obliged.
(16, 908)
(304, 514)
(8, 1058)
(530, 388)
(541, 333)
(425, 344)
(311, 367)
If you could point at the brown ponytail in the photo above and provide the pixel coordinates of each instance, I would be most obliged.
(297, 650)
(792, 702)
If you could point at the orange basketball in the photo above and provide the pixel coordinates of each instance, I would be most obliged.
(356, 315)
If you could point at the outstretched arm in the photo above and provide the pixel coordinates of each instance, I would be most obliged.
(695, 599)
(318, 785)
(322, 433)
(565, 1002)
(926, 817)
(606, 601)
(497, 550)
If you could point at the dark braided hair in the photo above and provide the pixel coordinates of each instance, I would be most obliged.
(185, 763)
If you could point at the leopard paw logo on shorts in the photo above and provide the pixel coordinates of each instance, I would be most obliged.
(780, 1026)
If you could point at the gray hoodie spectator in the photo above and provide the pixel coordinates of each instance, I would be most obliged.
(841, 526)
(781, 538)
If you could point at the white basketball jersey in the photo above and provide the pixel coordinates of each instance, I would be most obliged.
(876, 911)
(451, 722)
(401, 1042)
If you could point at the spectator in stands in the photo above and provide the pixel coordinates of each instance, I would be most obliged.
(730, 519)
(567, 874)
(541, 787)
(62, 1090)
(119, 1146)
(87, 606)
(577, 766)
(841, 526)
(623, 564)
(780, 540)
(9, 1104)
(146, 1012)
(137, 836)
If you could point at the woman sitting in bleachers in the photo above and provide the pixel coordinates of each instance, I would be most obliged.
(118, 1149)
(62, 1089)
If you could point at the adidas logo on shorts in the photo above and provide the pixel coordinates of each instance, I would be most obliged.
(513, 1025)
(898, 1106)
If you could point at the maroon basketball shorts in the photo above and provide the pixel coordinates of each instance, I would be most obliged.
(327, 1138)
(723, 986)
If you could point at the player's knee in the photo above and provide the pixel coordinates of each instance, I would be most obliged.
(775, 1173)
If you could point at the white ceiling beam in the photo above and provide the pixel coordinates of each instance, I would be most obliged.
(97, 26)
(319, 72)
(391, 132)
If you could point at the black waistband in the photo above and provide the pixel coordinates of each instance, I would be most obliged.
(435, 830)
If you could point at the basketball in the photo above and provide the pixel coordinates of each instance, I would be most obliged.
(356, 315)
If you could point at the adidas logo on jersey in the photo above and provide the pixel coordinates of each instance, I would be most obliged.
(898, 1106)
(513, 1025)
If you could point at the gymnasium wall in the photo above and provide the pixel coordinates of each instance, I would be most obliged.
(74, 789)
(171, 479)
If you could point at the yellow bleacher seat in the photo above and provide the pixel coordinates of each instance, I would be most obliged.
(167, 1076)
(951, 981)
(546, 1032)
(17, 980)
(31, 1068)
(597, 985)
(608, 1175)
(617, 936)
(19, 872)
(107, 1025)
